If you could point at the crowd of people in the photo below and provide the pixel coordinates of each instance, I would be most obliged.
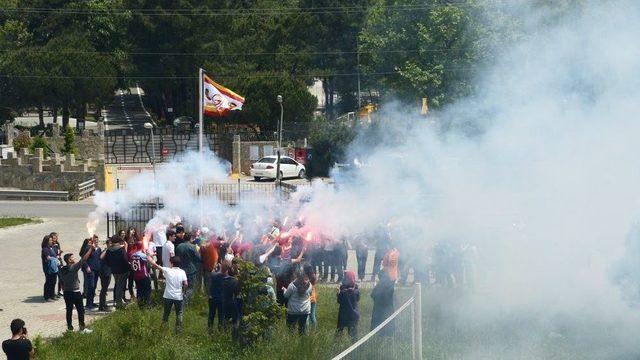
(296, 258)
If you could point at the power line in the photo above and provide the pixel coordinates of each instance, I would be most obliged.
(317, 75)
(311, 53)
(234, 12)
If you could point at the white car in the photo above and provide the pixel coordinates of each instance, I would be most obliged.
(266, 168)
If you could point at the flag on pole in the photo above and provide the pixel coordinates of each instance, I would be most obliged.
(217, 99)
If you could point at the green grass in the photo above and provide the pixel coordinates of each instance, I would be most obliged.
(135, 334)
(15, 221)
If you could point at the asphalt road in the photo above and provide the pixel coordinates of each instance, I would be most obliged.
(47, 209)
(126, 112)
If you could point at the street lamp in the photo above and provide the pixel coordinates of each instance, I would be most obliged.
(149, 126)
(278, 177)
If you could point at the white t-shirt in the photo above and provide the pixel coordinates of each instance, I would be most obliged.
(160, 237)
(167, 250)
(173, 282)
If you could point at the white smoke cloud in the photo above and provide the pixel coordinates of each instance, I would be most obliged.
(538, 171)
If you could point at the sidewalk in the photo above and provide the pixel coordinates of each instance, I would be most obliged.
(22, 279)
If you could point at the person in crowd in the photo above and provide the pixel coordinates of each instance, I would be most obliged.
(362, 252)
(310, 271)
(348, 313)
(382, 295)
(175, 286)
(91, 270)
(71, 286)
(159, 239)
(50, 268)
(181, 236)
(341, 257)
(330, 258)
(116, 258)
(390, 262)
(18, 347)
(132, 237)
(138, 261)
(191, 263)
(58, 250)
(230, 291)
(382, 248)
(298, 295)
(152, 251)
(105, 279)
(169, 248)
(214, 291)
(269, 289)
(209, 253)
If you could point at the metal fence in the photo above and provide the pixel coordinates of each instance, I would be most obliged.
(128, 146)
(231, 193)
(397, 337)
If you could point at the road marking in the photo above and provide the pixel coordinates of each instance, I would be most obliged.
(142, 104)
(104, 115)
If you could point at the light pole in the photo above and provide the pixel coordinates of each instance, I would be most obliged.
(149, 126)
(278, 177)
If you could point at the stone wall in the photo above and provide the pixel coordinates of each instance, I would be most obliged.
(243, 151)
(90, 145)
(60, 173)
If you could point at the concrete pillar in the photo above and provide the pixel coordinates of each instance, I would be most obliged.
(55, 130)
(237, 156)
(39, 153)
(8, 129)
(57, 158)
(57, 168)
(36, 162)
(13, 159)
(70, 160)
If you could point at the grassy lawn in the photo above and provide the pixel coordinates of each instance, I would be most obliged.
(14, 221)
(135, 334)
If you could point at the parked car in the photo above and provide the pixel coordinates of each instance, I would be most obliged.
(266, 168)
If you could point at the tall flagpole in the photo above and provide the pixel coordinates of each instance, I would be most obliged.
(200, 143)
(201, 110)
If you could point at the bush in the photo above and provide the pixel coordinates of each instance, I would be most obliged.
(69, 146)
(262, 313)
(41, 143)
(329, 141)
(23, 140)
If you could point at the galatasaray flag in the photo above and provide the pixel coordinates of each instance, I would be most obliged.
(217, 99)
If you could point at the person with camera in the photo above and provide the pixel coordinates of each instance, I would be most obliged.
(19, 347)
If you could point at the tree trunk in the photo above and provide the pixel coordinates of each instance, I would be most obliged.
(65, 116)
(41, 115)
(55, 114)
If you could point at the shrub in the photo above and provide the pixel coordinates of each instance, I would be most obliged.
(262, 312)
(69, 146)
(40, 142)
(23, 140)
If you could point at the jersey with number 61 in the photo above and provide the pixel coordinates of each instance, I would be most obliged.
(139, 265)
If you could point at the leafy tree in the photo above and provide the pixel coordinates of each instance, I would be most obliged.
(40, 142)
(432, 52)
(261, 312)
(329, 141)
(69, 146)
(23, 140)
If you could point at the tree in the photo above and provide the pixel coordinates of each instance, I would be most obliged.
(69, 146)
(41, 143)
(434, 51)
(261, 312)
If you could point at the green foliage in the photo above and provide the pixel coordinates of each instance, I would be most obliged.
(436, 52)
(135, 334)
(261, 312)
(69, 146)
(15, 221)
(39, 142)
(329, 141)
(23, 140)
(261, 105)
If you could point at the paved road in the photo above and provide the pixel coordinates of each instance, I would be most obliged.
(21, 279)
(126, 112)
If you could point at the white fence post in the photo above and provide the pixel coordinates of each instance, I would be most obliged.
(417, 321)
